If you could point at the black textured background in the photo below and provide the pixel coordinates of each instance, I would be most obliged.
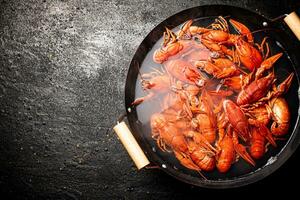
(62, 72)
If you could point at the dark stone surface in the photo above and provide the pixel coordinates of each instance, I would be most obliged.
(62, 72)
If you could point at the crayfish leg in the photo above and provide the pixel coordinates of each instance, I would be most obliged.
(186, 161)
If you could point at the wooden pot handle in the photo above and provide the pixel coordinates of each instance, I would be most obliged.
(293, 21)
(131, 145)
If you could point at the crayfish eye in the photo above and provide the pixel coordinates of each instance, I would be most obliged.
(196, 39)
(214, 54)
(200, 83)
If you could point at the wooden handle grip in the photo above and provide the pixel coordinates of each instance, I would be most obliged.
(131, 145)
(293, 21)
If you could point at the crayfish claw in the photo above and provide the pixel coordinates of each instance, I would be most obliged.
(185, 29)
(267, 64)
(285, 85)
(241, 150)
(242, 29)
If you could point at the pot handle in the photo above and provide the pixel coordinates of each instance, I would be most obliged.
(293, 21)
(131, 145)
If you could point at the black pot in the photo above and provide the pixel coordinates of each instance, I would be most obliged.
(281, 40)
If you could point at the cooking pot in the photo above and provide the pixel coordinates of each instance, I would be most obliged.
(283, 34)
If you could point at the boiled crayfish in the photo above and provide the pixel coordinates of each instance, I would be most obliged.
(220, 99)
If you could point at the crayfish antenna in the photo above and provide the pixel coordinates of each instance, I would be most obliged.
(202, 175)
